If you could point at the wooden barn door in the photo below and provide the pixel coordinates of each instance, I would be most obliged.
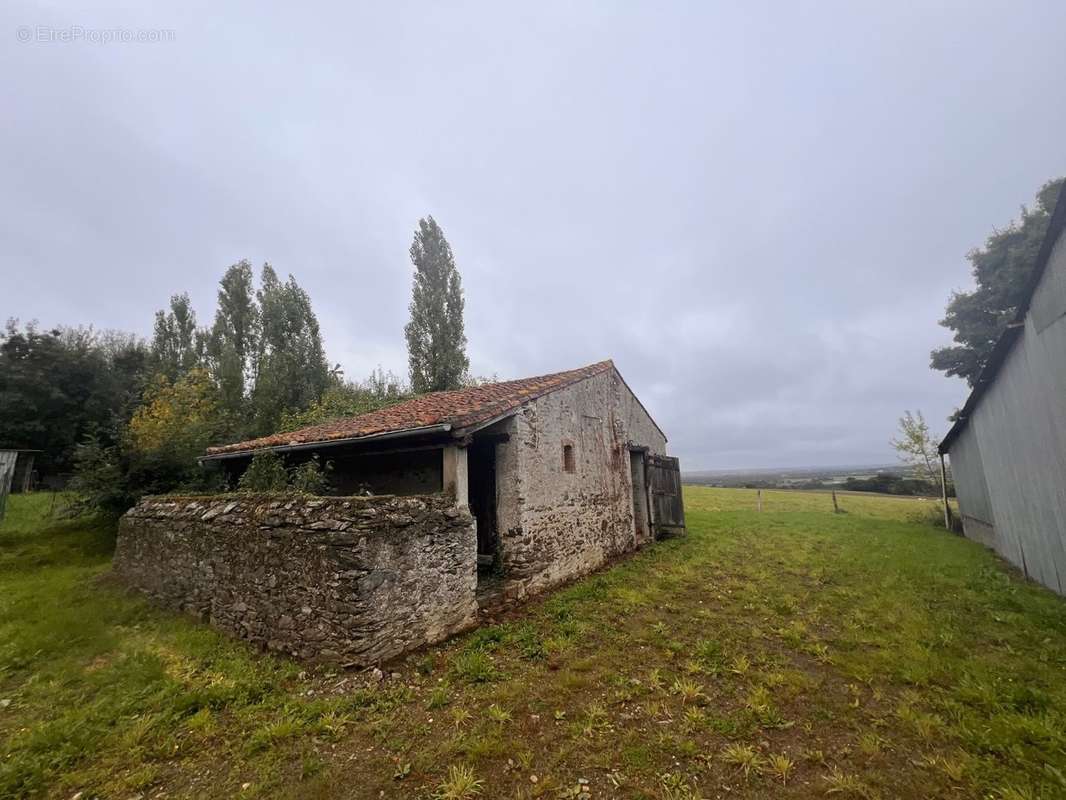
(668, 510)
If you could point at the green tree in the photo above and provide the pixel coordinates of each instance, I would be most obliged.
(157, 450)
(176, 344)
(233, 341)
(263, 351)
(1001, 269)
(916, 447)
(57, 386)
(291, 370)
(126, 377)
(181, 416)
(436, 341)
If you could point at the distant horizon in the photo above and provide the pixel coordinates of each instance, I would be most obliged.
(805, 468)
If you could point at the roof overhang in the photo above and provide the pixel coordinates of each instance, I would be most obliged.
(327, 443)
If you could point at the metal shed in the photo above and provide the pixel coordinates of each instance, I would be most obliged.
(1008, 446)
(16, 473)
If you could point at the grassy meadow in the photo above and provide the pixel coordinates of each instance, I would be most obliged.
(793, 653)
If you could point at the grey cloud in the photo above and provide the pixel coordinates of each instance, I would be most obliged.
(758, 211)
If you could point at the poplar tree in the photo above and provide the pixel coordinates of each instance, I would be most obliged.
(176, 344)
(234, 336)
(436, 341)
(291, 371)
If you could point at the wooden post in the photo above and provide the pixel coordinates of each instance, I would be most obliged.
(456, 478)
(836, 508)
(5, 486)
(944, 493)
(758, 497)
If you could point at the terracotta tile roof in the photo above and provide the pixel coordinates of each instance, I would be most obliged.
(460, 409)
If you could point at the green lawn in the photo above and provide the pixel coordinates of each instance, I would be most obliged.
(794, 653)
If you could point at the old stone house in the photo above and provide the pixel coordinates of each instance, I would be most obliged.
(449, 503)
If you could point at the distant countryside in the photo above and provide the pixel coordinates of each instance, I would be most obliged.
(885, 479)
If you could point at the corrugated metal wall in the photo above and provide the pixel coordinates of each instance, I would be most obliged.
(967, 469)
(1009, 462)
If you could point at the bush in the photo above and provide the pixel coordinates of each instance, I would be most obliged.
(111, 479)
(311, 477)
(99, 482)
(266, 473)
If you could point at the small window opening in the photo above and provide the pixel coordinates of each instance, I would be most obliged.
(568, 458)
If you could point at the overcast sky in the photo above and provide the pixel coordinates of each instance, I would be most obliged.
(757, 210)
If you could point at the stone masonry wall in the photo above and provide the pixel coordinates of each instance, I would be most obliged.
(351, 579)
(557, 525)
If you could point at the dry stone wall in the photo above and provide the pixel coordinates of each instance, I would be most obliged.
(353, 579)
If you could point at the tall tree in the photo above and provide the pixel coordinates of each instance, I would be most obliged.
(1001, 269)
(176, 345)
(436, 341)
(291, 371)
(232, 344)
(57, 386)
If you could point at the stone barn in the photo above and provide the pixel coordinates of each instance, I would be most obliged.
(447, 504)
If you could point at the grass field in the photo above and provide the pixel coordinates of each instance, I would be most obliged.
(794, 653)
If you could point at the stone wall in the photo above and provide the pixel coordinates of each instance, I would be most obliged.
(556, 525)
(352, 579)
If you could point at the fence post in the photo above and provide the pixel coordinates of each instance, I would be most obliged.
(836, 508)
(758, 497)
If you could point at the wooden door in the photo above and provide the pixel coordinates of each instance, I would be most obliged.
(640, 496)
(668, 509)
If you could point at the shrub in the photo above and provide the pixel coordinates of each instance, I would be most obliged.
(112, 479)
(266, 473)
(311, 477)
